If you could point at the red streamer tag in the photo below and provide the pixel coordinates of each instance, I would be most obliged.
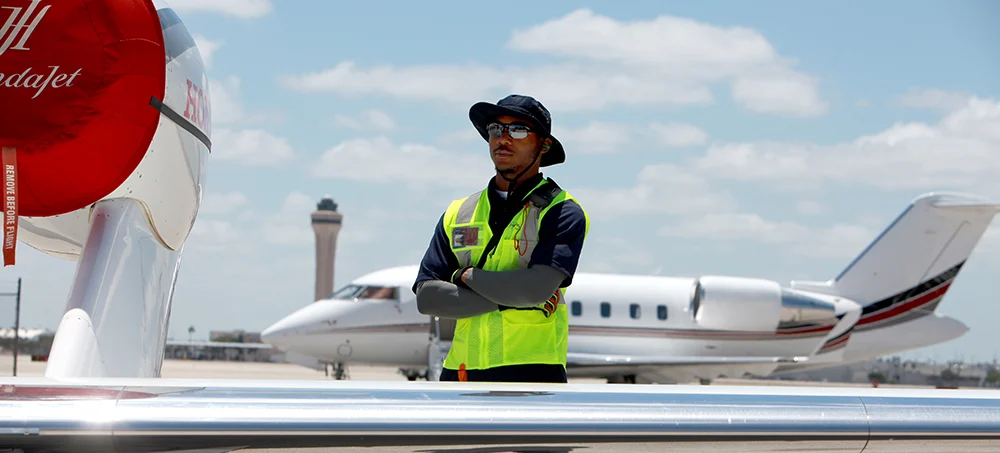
(9, 204)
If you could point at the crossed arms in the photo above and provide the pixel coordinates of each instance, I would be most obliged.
(552, 266)
(520, 288)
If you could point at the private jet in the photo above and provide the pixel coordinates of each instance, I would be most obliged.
(632, 328)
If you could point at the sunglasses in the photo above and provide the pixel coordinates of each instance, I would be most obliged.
(516, 131)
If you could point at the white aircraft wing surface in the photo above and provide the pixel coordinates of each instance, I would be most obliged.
(580, 360)
(155, 415)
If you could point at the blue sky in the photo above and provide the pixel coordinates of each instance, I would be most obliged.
(368, 101)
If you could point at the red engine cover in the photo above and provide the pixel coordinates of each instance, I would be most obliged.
(76, 79)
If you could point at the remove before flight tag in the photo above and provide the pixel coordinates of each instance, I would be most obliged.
(9, 204)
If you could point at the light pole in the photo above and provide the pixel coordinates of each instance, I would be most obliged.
(17, 319)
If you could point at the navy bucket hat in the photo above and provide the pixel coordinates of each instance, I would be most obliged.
(525, 108)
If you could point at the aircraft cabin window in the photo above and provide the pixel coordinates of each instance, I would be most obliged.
(577, 308)
(605, 309)
(661, 312)
(634, 311)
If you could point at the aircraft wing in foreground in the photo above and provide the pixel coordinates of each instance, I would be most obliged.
(602, 361)
(138, 160)
(156, 415)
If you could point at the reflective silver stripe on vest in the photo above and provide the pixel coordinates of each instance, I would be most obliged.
(528, 237)
(468, 208)
(465, 213)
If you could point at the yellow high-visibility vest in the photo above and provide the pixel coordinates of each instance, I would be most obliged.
(507, 337)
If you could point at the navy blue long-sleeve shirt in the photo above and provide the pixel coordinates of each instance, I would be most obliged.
(560, 236)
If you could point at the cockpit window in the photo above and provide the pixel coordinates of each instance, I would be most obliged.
(366, 292)
(347, 292)
(378, 292)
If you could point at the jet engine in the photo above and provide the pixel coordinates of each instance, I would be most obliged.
(754, 305)
(735, 303)
(101, 99)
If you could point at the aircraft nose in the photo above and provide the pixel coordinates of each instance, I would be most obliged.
(290, 330)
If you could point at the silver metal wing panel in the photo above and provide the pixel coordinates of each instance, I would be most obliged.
(147, 415)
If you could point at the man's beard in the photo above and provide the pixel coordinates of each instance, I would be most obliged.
(508, 170)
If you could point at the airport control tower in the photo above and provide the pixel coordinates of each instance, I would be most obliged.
(326, 223)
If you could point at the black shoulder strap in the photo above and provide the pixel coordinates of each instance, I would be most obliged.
(541, 197)
(544, 195)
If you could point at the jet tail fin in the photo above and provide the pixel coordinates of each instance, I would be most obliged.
(915, 259)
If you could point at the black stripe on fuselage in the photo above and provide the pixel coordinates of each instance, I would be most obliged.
(176, 41)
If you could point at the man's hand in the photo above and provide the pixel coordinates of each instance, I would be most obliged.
(550, 306)
(458, 278)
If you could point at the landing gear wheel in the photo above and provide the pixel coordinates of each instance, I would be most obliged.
(626, 379)
(412, 375)
(340, 371)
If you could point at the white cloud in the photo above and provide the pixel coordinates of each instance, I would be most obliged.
(382, 161)
(659, 188)
(227, 108)
(242, 231)
(243, 9)
(597, 137)
(227, 103)
(226, 223)
(935, 99)
(838, 241)
(566, 87)
(371, 119)
(781, 93)
(216, 235)
(223, 226)
(452, 83)
(207, 48)
(677, 135)
(222, 203)
(810, 207)
(286, 226)
(617, 255)
(603, 137)
(250, 147)
(665, 61)
(297, 203)
(959, 152)
(669, 45)
(462, 137)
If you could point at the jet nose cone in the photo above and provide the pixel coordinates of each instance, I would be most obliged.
(290, 330)
(273, 333)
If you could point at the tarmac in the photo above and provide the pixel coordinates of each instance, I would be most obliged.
(219, 369)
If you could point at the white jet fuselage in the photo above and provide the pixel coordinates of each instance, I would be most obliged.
(670, 329)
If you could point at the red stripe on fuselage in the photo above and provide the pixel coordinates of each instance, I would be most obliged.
(904, 307)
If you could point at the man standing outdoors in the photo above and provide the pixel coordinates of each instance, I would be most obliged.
(500, 259)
